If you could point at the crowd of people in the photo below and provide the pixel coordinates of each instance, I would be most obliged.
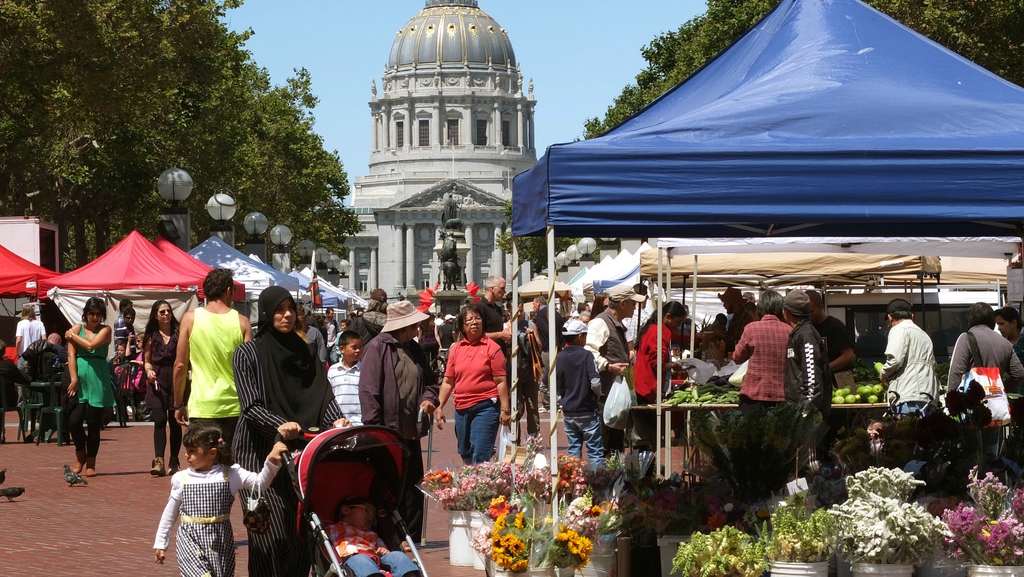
(243, 396)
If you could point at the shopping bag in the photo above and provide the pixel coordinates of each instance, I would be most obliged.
(504, 441)
(620, 400)
(736, 379)
(990, 380)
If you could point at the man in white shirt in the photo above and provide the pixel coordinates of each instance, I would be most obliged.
(29, 330)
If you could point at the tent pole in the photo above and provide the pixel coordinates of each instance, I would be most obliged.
(514, 389)
(659, 371)
(552, 375)
(693, 311)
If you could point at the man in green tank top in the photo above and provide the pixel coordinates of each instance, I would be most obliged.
(207, 340)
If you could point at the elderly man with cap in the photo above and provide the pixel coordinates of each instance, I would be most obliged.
(808, 378)
(396, 383)
(740, 313)
(909, 361)
(606, 340)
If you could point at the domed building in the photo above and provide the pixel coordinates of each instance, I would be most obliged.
(451, 116)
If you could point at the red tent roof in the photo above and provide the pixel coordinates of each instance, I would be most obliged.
(19, 277)
(133, 263)
(187, 262)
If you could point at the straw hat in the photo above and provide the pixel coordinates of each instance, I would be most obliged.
(401, 315)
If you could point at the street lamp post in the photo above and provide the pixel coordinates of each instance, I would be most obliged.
(344, 267)
(561, 264)
(609, 247)
(221, 207)
(572, 256)
(281, 235)
(587, 247)
(256, 224)
(306, 250)
(332, 269)
(174, 224)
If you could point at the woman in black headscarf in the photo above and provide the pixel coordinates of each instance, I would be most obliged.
(283, 389)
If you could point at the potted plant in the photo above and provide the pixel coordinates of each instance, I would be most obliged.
(879, 531)
(725, 552)
(799, 542)
(988, 533)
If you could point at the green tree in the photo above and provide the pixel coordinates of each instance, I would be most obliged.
(98, 98)
(990, 33)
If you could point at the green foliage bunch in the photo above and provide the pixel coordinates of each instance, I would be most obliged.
(726, 552)
(797, 536)
(755, 452)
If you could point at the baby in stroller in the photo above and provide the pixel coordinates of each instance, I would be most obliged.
(360, 548)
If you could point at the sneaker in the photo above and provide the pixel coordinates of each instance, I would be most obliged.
(158, 467)
(542, 410)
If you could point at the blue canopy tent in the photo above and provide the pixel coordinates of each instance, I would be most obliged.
(828, 118)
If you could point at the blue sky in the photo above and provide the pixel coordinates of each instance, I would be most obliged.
(579, 54)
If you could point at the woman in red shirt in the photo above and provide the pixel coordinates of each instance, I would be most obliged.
(475, 373)
(645, 380)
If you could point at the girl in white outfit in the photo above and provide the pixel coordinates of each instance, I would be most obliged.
(201, 497)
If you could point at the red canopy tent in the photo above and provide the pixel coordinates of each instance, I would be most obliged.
(189, 263)
(19, 277)
(134, 269)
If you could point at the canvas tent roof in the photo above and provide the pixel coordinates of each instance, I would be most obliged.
(827, 117)
(332, 296)
(19, 277)
(255, 275)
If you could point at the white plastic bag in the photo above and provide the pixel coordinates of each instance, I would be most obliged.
(616, 407)
(737, 377)
(504, 441)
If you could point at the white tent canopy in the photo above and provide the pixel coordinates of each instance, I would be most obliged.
(255, 275)
(984, 246)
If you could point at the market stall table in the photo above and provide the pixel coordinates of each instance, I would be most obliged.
(866, 412)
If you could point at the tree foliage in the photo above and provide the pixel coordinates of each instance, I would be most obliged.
(989, 32)
(98, 97)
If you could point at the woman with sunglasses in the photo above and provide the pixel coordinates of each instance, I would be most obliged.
(160, 345)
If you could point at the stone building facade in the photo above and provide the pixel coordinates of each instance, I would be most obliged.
(452, 115)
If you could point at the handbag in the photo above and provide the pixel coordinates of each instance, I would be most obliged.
(256, 512)
(620, 400)
(991, 380)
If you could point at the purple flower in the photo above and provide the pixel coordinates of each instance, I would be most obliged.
(975, 394)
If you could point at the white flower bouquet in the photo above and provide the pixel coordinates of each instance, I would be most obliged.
(877, 525)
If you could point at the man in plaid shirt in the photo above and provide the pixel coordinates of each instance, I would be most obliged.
(764, 344)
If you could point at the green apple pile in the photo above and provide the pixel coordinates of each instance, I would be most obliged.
(863, 394)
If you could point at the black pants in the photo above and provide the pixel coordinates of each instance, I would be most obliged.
(84, 415)
(162, 420)
(526, 395)
(411, 507)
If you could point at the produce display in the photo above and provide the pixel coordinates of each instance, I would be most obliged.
(710, 394)
(867, 388)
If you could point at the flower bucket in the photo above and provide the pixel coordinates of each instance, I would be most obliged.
(784, 569)
(994, 571)
(882, 570)
(669, 546)
(462, 525)
(564, 571)
(546, 571)
(603, 562)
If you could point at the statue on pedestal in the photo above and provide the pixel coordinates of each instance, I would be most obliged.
(451, 230)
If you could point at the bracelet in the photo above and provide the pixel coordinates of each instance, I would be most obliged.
(507, 411)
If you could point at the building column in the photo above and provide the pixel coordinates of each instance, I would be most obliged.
(496, 125)
(435, 264)
(532, 120)
(497, 266)
(385, 128)
(410, 255)
(520, 125)
(371, 281)
(374, 122)
(353, 273)
(470, 269)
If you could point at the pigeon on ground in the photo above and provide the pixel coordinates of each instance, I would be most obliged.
(72, 478)
(3, 476)
(12, 492)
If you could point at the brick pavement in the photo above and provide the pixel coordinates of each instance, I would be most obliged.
(107, 527)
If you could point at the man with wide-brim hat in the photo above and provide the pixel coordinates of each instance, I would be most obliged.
(395, 384)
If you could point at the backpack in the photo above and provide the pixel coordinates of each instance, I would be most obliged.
(42, 361)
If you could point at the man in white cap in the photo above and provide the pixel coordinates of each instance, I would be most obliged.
(606, 340)
(396, 383)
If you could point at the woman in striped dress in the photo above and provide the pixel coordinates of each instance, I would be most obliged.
(282, 387)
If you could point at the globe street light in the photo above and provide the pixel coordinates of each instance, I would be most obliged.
(344, 267)
(572, 253)
(221, 207)
(281, 235)
(256, 225)
(332, 268)
(174, 224)
(306, 249)
(587, 247)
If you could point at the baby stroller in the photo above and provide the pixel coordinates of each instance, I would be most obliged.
(366, 461)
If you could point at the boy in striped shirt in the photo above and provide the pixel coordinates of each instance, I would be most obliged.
(344, 376)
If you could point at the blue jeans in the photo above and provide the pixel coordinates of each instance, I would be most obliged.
(911, 407)
(476, 429)
(585, 430)
(398, 564)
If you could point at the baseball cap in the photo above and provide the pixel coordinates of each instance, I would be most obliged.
(624, 293)
(449, 317)
(574, 327)
(898, 306)
(797, 303)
